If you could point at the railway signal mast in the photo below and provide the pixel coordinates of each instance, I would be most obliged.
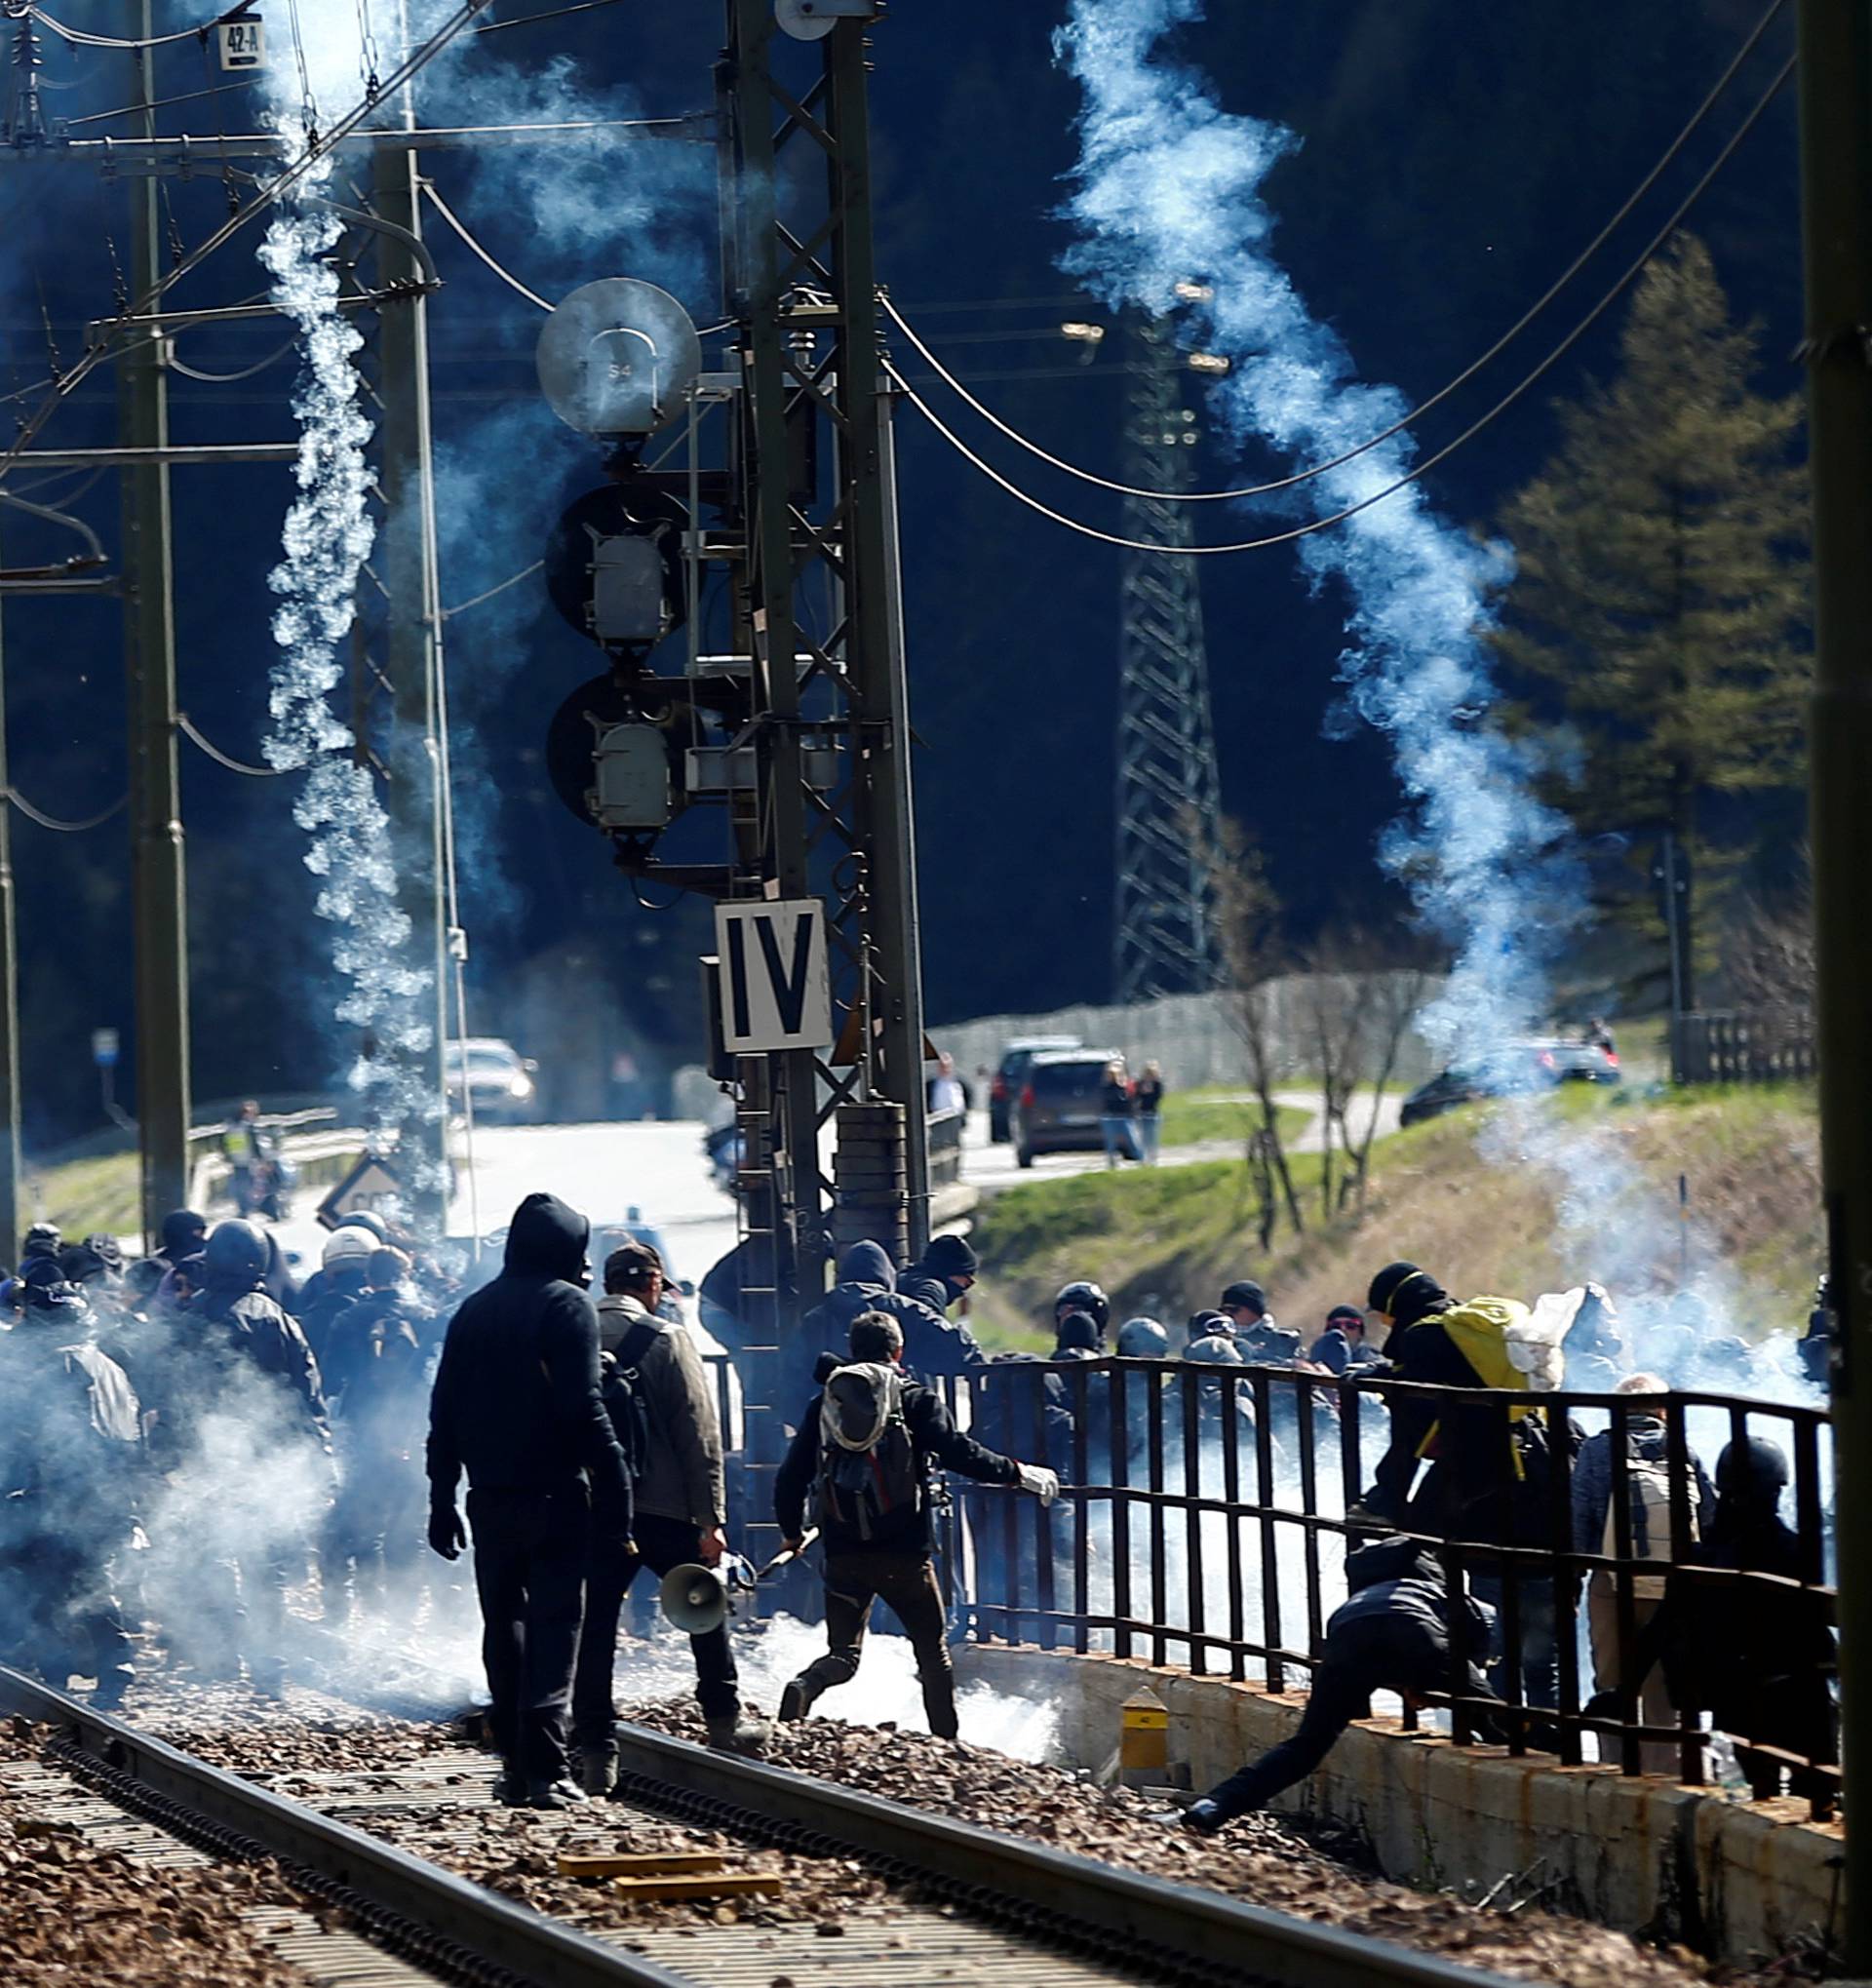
(796, 730)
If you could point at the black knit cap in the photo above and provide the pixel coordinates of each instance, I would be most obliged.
(1403, 1292)
(1347, 1313)
(950, 1256)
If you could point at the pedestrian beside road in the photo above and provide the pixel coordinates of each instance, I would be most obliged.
(516, 1405)
(1117, 1115)
(946, 1091)
(248, 1148)
(862, 1456)
(1146, 1095)
(663, 1411)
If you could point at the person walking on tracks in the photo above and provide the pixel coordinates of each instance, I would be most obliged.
(517, 1405)
(863, 1452)
(663, 1411)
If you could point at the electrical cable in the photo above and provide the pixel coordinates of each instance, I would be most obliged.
(1430, 462)
(269, 195)
(228, 378)
(96, 556)
(512, 281)
(46, 821)
(161, 103)
(86, 39)
(186, 726)
(521, 20)
(512, 580)
(1671, 152)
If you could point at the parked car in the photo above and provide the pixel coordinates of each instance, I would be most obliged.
(499, 1080)
(1529, 1065)
(1058, 1106)
(1008, 1079)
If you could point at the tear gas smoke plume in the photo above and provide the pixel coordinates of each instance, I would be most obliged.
(1168, 187)
(327, 536)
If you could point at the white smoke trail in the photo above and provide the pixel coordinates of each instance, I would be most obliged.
(1167, 189)
(327, 536)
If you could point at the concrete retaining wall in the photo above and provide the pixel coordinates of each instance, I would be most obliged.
(1735, 1881)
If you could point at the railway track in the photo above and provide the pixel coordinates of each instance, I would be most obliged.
(964, 1905)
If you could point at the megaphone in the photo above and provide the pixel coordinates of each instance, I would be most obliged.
(698, 1599)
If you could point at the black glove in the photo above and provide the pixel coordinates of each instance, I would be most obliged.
(448, 1535)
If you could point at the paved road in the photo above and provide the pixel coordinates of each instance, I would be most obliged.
(992, 1168)
(602, 1170)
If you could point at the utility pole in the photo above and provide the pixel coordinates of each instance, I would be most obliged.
(1164, 928)
(10, 1154)
(1836, 161)
(412, 640)
(157, 873)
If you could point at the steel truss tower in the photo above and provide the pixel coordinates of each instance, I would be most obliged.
(1163, 937)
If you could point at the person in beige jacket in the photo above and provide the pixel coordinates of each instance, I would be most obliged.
(660, 1397)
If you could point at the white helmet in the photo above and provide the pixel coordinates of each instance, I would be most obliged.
(348, 1246)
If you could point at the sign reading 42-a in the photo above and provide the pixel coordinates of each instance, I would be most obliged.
(243, 41)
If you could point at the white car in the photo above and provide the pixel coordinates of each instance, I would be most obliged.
(499, 1080)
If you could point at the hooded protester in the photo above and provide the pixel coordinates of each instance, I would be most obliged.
(1394, 1634)
(1489, 1464)
(70, 1455)
(949, 1262)
(864, 1455)
(183, 1233)
(1340, 1347)
(517, 1406)
(662, 1406)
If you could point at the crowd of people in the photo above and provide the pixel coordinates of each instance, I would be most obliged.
(194, 1435)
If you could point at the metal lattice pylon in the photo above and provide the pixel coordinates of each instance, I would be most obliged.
(1163, 939)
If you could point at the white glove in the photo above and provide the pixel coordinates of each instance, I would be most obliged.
(1044, 1483)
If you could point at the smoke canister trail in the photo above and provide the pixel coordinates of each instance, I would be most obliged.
(1167, 189)
(326, 537)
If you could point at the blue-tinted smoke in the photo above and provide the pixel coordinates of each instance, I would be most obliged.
(1167, 189)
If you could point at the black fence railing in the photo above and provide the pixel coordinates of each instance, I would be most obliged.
(1206, 1513)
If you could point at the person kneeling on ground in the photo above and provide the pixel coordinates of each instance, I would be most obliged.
(1393, 1634)
(864, 1452)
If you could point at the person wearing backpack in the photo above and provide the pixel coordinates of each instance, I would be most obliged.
(516, 1404)
(1595, 1530)
(657, 1393)
(863, 1455)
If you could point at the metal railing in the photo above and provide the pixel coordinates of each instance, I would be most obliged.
(1205, 1515)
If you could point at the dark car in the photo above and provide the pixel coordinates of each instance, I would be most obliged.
(1058, 1106)
(1008, 1079)
(1524, 1066)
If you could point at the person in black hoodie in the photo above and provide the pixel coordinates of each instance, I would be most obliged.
(933, 1344)
(183, 1234)
(870, 1483)
(1393, 1633)
(517, 1406)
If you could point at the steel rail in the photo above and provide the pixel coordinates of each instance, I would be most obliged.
(1213, 1931)
(442, 1905)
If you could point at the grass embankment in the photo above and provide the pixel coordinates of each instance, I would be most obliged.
(1165, 1242)
(1195, 1117)
(88, 1196)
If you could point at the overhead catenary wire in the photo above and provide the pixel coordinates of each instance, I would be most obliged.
(86, 38)
(161, 103)
(64, 828)
(187, 727)
(553, 14)
(1417, 470)
(512, 580)
(269, 194)
(188, 371)
(506, 276)
(1287, 483)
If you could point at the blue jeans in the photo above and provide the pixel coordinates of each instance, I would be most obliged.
(1149, 1129)
(1117, 1139)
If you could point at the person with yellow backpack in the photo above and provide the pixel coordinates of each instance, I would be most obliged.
(1489, 1475)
